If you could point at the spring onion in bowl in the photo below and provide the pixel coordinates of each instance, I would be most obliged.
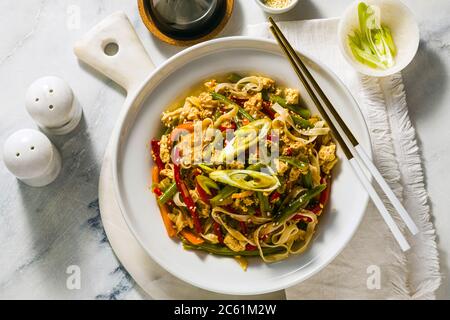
(372, 44)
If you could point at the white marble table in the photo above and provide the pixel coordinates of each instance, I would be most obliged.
(44, 231)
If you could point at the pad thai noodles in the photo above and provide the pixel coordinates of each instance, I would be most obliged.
(243, 170)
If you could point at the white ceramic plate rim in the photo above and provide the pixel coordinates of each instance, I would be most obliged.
(141, 94)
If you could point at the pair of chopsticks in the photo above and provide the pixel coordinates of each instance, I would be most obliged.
(349, 144)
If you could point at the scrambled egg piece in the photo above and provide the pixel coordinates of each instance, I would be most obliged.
(164, 149)
(327, 153)
(167, 173)
(291, 96)
(206, 101)
(204, 209)
(254, 104)
(327, 157)
(233, 243)
(236, 165)
(294, 174)
(181, 221)
(282, 167)
(267, 83)
(293, 147)
(211, 84)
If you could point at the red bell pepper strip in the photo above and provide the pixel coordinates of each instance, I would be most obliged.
(243, 227)
(157, 191)
(324, 196)
(218, 231)
(267, 108)
(239, 102)
(249, 247)
(156, 154)
(202, 193)
(186, 197)
(274, 197)
(232, 126)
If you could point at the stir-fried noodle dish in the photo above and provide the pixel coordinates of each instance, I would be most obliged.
(242, 169)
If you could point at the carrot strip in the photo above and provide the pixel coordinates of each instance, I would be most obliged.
(192, 238)
(167, 222)
(155, 175)
(163, 208)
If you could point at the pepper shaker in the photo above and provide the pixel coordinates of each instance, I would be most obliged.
(32, 158)
(51, 103)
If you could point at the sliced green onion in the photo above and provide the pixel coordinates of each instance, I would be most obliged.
(168, 194)
(246, 179)
(372, 44)
(245, 137)
(206, 183)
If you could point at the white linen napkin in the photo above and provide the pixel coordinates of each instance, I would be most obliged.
(373, 266)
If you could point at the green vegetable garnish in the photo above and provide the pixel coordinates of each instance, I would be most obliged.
(246, 179)
(223, 195)
(224, 251)
(304, 113)
(301, 202)
(206, 183)
(222, 98)
(372, 44)
(245, 137)
(168, 194)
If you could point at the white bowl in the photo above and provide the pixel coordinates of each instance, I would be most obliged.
(132, 165)
(405, 31)
(277, 10)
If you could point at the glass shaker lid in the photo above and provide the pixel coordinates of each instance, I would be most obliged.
(184, 14)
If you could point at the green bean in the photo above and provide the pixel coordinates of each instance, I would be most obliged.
(295, 162)
(263, 203)
(206, 183)
(300, 203)
(307, 180)
(225, 251)
(304, 113)
(168, 194)
(302, 123)
(245, 114)
(222, 195)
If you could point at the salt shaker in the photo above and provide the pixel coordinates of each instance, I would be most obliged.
(32, 158)
(51, 103)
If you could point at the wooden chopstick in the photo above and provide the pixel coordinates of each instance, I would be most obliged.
(358, 148)
(346, 144)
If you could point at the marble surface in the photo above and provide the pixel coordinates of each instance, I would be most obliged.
(45, 231)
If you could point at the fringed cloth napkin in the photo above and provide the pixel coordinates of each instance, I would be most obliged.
(373, 266)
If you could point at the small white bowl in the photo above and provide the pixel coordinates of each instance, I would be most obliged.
(405, 31)
(277, 10)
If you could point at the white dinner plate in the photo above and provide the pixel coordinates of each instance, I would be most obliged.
(132, 166)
